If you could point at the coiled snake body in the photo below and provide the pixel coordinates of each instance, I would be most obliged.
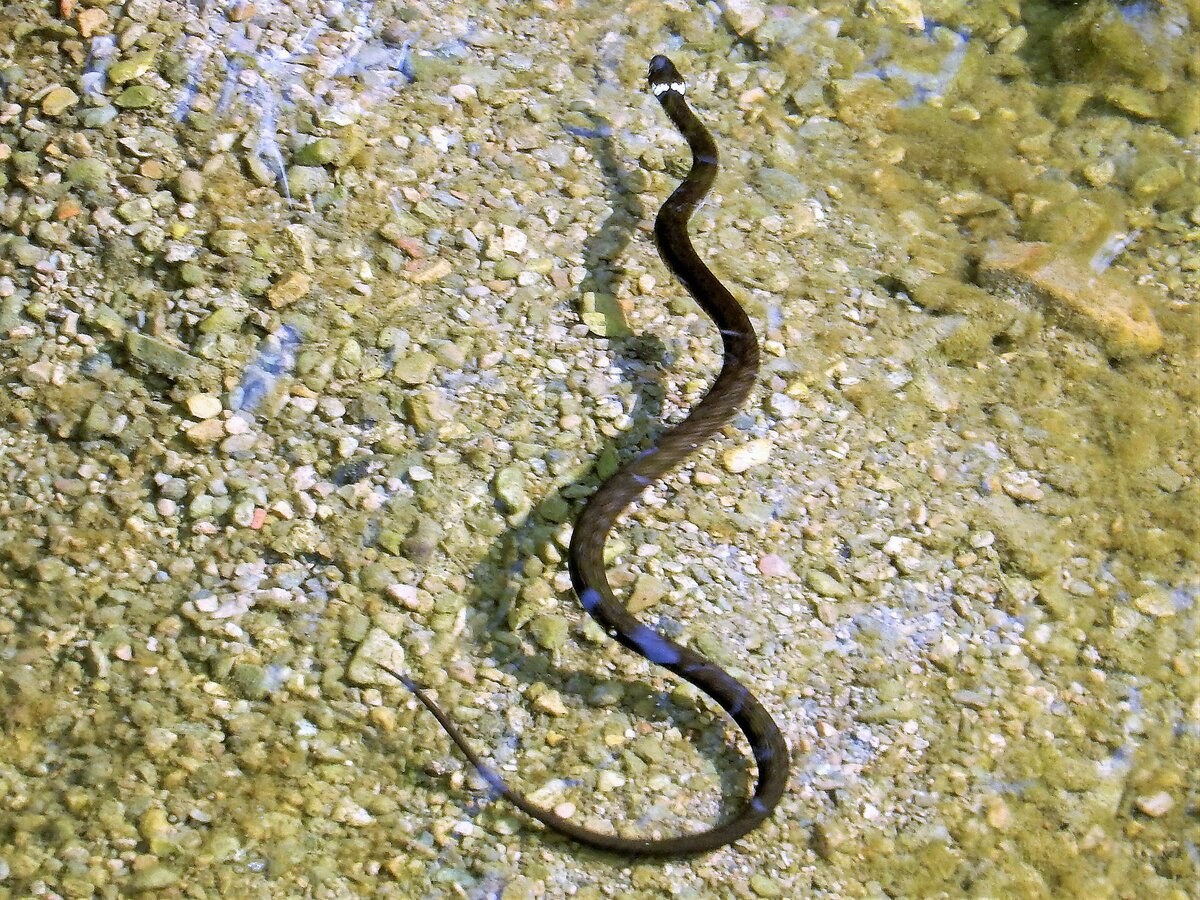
(586, 555)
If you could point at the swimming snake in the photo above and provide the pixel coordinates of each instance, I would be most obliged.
(586, 554)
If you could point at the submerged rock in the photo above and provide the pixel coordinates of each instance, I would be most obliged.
(1105, 305)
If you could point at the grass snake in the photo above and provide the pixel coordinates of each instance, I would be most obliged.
(586, 555)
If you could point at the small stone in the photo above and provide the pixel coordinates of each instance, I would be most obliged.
(743, 16)
(1100, 173)
(159, 740)
(131, 69)
(377, 651)
(303, 181)
(1160, 180)
(91, 20)
(96, 423)
(206, 433)
(828, 838)
(1132, 100)
(288, 289)
(1021, 486)
(158, 355)
(89, 173)
(50, 569)
(347, 812)
(137, 96)
(136, 210)
(414, 368)
(192, 275)
(428, 271)
(647, 591)
(97, 116)
(764, 886)
(775, 566)
(509, 485)
(229, 242)
(549, 631)
(1155, 805)
(902, 12)
(551, 702)
(513, 240)
(317, 153)
(204, 406)
(999, 816)
(508, 269)
(251, 680)
(1156, 602)
(154, 878)
(221, 319)
(746, 456)
(58, 101)
(188, 185)
(826, 585)
(242, 11)
(609, 780)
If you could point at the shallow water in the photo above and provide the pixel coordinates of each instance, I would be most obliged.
(319, 322)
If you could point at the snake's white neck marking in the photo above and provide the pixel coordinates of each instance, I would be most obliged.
(679, 87)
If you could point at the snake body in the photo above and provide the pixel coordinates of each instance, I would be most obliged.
(586, 553)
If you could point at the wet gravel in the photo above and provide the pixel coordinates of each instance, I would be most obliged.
(319, 321)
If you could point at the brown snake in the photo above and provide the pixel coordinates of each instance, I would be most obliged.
(586, 556)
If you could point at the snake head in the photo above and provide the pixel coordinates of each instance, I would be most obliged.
(663, 74)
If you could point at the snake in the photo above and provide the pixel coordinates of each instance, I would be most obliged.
(585, 557)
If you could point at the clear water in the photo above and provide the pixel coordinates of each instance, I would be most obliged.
(318, 322)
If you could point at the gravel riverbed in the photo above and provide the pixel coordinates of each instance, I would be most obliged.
(319, 321)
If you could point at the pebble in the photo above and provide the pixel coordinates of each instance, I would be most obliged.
(1156, 602)
(379, 650)
(132, 68)
(746, 456)
(92, 20)
(510, 486)
(427, 271)
(204, 406)
(304, 181)
(1021, 486)
(764, 886)
(647, 591)
(137, 96)
(775, 566)
(58, 101)
(551, 702)
(206, 433)
(288, 289)
(88, 173)
(158, 355)
(414, 368)
(609, 780)
(1156, 805)
(826, 585)
(317, 153)
(744, 16)
(903, 12)
(513, 240)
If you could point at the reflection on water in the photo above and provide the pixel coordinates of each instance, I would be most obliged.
(276, 358)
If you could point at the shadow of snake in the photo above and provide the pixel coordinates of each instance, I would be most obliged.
(499, 577)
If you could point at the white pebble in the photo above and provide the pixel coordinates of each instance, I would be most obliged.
(746, 456)
(204, 406)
